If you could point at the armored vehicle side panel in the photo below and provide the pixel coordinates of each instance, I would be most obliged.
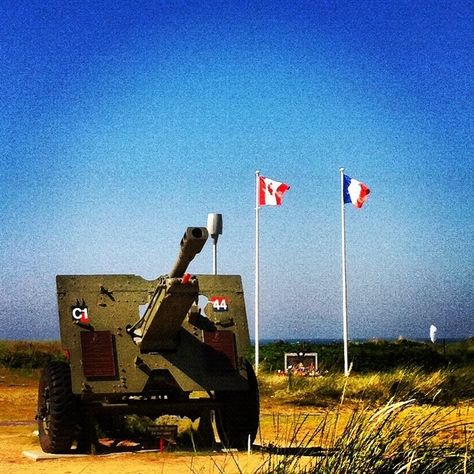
(105, 360)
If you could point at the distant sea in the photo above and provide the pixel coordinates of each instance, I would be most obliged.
(336, 341)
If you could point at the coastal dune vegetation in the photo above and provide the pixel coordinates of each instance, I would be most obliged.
(405, 407)
(409, 407)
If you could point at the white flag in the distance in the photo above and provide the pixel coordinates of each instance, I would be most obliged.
(270, 192)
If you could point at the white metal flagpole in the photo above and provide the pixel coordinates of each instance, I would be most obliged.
(214, 257)
(257, 269)
(344, 279)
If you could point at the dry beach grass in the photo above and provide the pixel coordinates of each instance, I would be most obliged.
(398, 436)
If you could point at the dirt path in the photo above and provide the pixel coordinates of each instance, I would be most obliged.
(17, 426)
(13, 440)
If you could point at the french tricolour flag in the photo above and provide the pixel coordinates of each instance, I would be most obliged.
(270, 192)
(355, 191)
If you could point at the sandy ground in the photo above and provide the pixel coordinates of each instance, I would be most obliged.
(278, 425)
(17, 426)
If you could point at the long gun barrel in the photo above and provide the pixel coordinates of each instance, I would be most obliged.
(172, 298)
(191, 244)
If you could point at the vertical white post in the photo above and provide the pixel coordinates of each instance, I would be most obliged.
(257, 269)
(344, 279)
(214, 257)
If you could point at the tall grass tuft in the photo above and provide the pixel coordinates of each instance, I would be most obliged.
(393, 439)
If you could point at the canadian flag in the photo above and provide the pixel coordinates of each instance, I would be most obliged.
(271, 192)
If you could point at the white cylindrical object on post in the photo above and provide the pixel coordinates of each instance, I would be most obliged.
(214, 225)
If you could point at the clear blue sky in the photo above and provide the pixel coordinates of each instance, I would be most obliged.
(124, 122)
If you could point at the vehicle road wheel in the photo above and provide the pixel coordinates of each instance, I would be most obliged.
(56, 408)
(239, 415)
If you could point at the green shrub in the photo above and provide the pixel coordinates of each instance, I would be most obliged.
(29, 355)
(372, 356)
